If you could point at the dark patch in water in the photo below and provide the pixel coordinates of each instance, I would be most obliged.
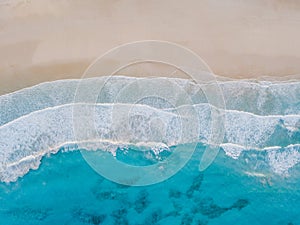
(88, 218)
(197, 181)
(201, 222)
(117, 193)
(174, 193)
(176, 211)
(186, 219)
(110, 195)
(208, 208)
(142, 202)
(102, 194)
(120, 216)
(156, 215)
(240, 204)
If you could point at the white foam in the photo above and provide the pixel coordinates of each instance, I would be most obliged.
(232, 150)
(281, 160)
(258, 98)
(38, 121)
(25, 140)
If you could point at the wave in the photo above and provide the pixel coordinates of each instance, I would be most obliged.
(38, 121)
(27, 139)
(259, 97)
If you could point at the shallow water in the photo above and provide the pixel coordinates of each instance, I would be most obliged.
(254, 178)
(65, 190)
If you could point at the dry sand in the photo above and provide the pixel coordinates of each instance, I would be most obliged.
(42, 40)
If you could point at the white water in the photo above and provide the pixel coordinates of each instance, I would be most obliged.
(37, 121)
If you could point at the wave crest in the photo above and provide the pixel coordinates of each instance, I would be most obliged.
(38, 121)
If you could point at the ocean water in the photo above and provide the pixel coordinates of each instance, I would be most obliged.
(47, 177)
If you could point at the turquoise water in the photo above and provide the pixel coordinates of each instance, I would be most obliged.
(65, 190)
(254, 179)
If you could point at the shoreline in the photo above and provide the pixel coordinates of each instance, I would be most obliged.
(6, 88)
(48, 41)
(220, 79)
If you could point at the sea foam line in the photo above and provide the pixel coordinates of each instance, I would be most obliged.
(244, 130)
(61, 92)
(20, 151)
(11, 172)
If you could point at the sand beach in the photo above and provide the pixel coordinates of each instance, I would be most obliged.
(49, 40)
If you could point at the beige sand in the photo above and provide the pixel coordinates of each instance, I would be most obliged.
(43, 40)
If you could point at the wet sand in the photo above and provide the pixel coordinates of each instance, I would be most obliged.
(48, 40)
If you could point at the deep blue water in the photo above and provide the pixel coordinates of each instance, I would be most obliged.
(65, 190)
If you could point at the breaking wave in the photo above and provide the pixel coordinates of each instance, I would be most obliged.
(261, 118)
